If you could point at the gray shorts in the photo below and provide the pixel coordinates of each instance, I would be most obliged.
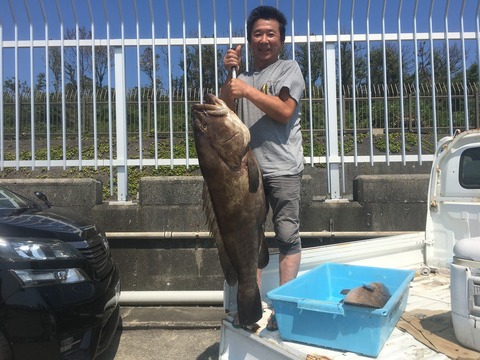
(283, 196)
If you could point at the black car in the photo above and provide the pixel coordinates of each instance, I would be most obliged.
(59, 286)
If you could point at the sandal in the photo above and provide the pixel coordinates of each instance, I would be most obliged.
(236, 322)
(272, 323)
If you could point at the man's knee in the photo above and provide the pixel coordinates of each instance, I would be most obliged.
(290, 247)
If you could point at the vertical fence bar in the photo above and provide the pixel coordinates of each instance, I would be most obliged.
(170, 94)
(185, 84)
(121, 113)
(94, 86)
(310, 85)
(79, 86)
(32, 89)
(17, 99)
(354, 93)
(417, 84)
(369, 82)
(215, 45)
(109, 86)
(400, 61)
(385, 87)
(477, 30)
(139, 85)
(293, 29)
(200, 60)
(247, 65)
(432, 60)
(449, 80)
(64, 109)
(230, 32)
(325, 94)
(340, 94)
(464, 64)
(155, 104)
(2, 118)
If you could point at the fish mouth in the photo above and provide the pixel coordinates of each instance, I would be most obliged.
(211, 107)
(206, 112)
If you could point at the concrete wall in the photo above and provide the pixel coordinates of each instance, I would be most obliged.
(173, 204)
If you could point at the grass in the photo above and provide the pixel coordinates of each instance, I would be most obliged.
(163, 150)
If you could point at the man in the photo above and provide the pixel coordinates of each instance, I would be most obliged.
(268, 99)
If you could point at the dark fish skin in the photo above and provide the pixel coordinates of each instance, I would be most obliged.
(234, 200)
(374, 295)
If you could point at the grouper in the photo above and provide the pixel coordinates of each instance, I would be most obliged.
(234, 200)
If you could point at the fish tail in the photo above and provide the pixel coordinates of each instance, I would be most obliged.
(249, 304)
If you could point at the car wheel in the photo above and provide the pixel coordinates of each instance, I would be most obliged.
(5, 349)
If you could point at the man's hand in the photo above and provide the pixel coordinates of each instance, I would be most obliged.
(233, 58)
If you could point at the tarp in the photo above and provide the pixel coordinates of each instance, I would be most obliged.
(434, 329)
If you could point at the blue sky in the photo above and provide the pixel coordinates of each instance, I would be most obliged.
(222, 9)
(81, 9)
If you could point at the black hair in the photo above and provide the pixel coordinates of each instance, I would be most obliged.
(266, 13)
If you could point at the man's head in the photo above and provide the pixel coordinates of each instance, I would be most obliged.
(266, 35)
(266, 13)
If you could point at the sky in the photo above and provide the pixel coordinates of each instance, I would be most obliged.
(29, 16)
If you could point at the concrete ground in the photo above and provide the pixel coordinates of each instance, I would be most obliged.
(164, 332)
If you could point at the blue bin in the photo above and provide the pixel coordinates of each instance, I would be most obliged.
(310, 308)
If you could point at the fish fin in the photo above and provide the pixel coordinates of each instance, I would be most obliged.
(253, 172)
(249, 303)
(227, 267)
(263, 255)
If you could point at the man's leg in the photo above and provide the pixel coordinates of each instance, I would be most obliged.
(288, 267)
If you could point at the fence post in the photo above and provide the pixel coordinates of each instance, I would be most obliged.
(332, 121)
(121, 124)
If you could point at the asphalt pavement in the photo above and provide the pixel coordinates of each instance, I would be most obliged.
(167, 332)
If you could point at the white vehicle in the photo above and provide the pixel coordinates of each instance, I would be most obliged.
(446, 259)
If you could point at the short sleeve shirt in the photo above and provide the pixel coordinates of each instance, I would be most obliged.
(277, 146)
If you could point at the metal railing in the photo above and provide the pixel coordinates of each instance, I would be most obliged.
(109, 77)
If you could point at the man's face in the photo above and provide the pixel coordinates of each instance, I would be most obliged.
(265, 43)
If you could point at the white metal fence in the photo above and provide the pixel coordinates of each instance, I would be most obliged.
(109, 84)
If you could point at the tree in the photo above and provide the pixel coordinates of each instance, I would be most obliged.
(316, 63)
(347, 68)
(83, 58)
(440, 56)
(101, 64)
(207, 69)
(472, 74)
(147, 65)
(9, 87)
(85, 62)
(40, 84)
(55, 65)
(392, 55)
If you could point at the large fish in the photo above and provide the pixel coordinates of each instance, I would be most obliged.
(234, 200)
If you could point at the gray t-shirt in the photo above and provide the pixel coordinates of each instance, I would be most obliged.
(278, 147)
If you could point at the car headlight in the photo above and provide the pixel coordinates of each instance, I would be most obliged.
(36, 249)
(30, 277)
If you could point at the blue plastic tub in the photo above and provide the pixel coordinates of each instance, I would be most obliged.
(310, 309)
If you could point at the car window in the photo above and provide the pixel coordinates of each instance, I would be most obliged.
(9, 200)
(470, 169)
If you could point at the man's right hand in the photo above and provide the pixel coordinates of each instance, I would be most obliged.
(233, 58)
